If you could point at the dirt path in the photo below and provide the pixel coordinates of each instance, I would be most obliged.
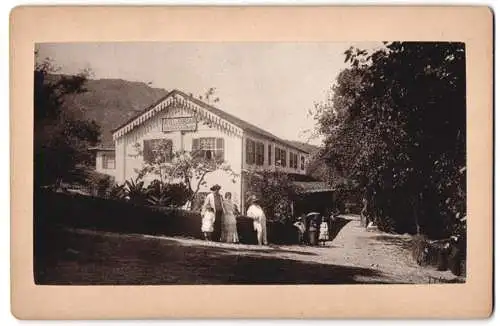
(355, 256)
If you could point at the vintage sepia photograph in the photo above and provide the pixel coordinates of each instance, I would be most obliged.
(225, 163)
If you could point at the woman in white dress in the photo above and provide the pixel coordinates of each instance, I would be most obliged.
(256, 213)
(229, 227)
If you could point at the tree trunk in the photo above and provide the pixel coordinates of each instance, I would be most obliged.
(414, 204)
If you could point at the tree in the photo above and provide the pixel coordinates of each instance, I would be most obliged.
(61, 140)
(189, 168)
(395, 124)
(209, 96)
(276, 192)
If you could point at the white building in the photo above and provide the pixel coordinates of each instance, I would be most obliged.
(185, 123)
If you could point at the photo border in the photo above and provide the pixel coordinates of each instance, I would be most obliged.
(472, 25)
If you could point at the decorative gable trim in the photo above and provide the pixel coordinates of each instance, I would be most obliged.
(175, 100)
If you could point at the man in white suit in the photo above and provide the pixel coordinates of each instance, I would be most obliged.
(214, 200)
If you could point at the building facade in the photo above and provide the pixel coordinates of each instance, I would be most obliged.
(179, 122)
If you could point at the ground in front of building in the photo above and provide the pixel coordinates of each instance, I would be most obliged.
(355, 256)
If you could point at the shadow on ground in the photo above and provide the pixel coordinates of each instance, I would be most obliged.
(85, 259)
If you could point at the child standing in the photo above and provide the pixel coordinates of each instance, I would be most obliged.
(323, 231)
(301, 229)
(207, 223)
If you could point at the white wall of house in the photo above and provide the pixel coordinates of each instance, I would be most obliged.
(129, 160)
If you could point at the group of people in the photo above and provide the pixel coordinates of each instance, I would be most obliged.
(219, 218)
(312, 228)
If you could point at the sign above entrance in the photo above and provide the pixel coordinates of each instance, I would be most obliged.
(179, 124)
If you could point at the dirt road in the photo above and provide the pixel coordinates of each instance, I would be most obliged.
(355, 256)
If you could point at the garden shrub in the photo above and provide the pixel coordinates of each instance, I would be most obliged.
(71, 210)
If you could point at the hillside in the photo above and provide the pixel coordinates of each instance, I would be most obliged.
(111, 102)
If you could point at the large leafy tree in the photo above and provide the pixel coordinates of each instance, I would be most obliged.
(395, 123)
(275, 190)
(61, 139)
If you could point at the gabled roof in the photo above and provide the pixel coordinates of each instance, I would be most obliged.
(248, 127)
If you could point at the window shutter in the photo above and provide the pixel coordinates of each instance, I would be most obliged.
(170, 150)
(269, 154)
(147, 152)
(253, 152)
(195, 144)
(220, 143)
(219, 149)
(248, 149)
(195, 148)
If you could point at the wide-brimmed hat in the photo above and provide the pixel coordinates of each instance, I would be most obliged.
(252, 199)
(215, 187)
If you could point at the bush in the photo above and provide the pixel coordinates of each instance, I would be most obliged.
(275, 190)
(70, 210)
(443, 254)
(165, 194)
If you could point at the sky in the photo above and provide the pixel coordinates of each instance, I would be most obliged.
(271, 85)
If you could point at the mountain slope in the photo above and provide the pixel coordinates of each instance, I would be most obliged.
(111, 102)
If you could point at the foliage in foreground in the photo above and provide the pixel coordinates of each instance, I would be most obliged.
(395, 124)
(61, 138)
(157, 193)
(275, 191)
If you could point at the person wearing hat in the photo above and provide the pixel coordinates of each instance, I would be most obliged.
(301, 228)
(214, 201)
(256, 213)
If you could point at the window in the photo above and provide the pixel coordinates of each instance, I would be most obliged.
(294, 160)
(250, 151)
(259, 160)
(254, 152)
(269, 154)
(209, 148)
(302, 162)
(157, 150)
(108, 161)
(280, 157)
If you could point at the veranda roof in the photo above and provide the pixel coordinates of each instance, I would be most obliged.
(313, 186)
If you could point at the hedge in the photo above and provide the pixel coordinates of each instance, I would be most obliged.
(72, 210)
